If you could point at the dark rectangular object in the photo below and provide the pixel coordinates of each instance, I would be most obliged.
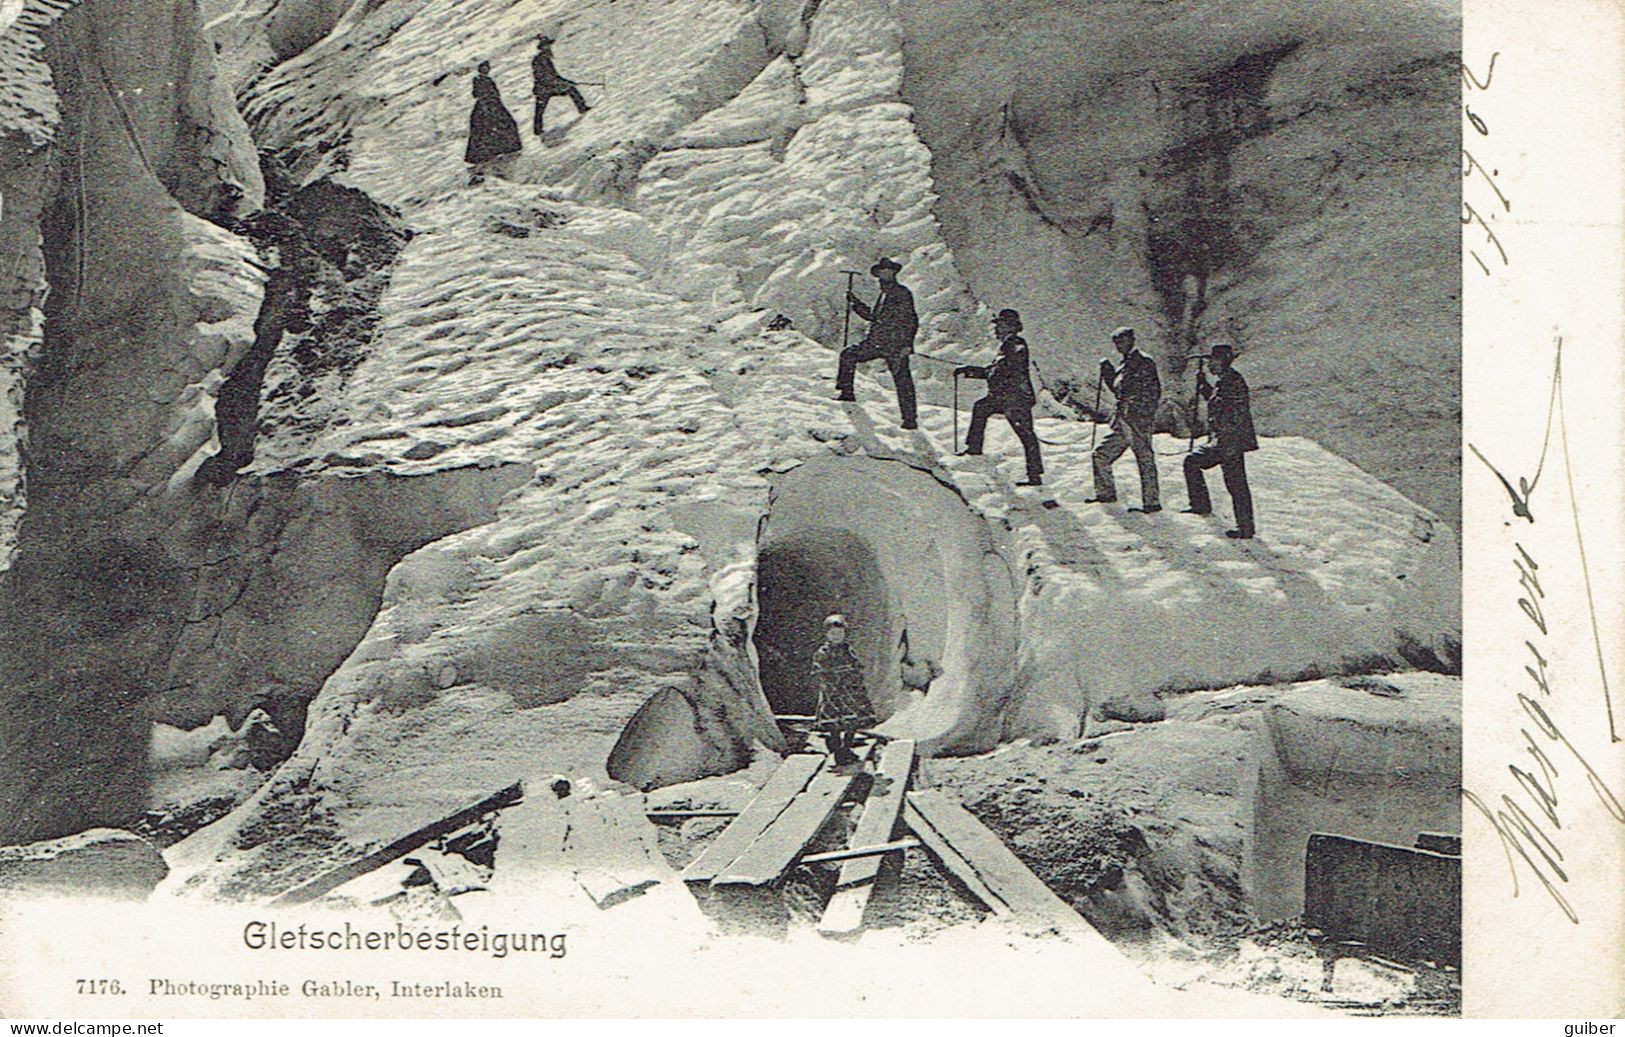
(1402, 902)
(1440, 842)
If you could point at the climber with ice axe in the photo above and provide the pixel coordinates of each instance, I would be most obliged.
(1138, 391)
(893, 324)
(1009, 392)
(1230, 417)
(548, 83)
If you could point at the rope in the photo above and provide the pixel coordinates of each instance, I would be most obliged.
(1041, 439)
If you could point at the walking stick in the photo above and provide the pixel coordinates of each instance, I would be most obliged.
(1196, 403)
(956, 412)
(846, 321)
(1094, 424)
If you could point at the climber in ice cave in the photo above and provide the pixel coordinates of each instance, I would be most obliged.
(843, 704)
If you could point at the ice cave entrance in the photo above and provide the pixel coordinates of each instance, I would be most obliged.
(801, 579)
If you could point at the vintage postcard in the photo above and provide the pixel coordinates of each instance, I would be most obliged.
(520, 508)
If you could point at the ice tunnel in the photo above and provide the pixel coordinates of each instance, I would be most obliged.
(928, 599)
(803, 578)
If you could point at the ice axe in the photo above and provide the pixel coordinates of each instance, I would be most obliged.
(846, 321)
(1094, 415)
(1196, 400)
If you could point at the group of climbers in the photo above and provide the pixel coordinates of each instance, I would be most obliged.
(893, 324)
(844, 709)
(492, 131)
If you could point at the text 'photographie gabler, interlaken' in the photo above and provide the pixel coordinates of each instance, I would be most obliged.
(700, 509)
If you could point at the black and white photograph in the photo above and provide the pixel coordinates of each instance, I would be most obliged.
(531, 508)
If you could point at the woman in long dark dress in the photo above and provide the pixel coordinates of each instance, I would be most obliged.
(492, 131)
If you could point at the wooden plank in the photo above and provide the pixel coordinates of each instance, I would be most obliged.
(787, 782)
(684, 815)
(774, 852)
(863, 853)
(951, 860)
(999, 868)
(844, 913)
(333, 878)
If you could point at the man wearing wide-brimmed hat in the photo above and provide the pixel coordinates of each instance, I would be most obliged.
(547, 83)
(892, 326)
(1009, 392)
(1230, 421)
(1138, 391)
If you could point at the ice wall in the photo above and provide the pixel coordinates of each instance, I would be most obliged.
(1194, 169)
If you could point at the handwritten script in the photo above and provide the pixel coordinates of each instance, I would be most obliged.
(1529, 821)
(1480, 186)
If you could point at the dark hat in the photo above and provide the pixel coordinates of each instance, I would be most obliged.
(1008, 316)
(1120, 332)
(484, 66)
(885, 264)
(544, 38)
(1223, 349)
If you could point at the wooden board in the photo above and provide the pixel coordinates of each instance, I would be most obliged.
(999, 869)
(951, 860)
(333, 878)
(844, 913)
(852, 853)
(774, 852)
(787, 782)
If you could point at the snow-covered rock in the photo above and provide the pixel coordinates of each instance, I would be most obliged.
(1199, 824)
(100, 862)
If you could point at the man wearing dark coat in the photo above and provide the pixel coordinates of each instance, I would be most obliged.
(1009, 392)
(843, 704)
(548, 84)
(1231, 437)
(492, 133)
(1138, 390)
(892, 327)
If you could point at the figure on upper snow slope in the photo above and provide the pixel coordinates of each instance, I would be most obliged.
(1138, 391)
(1231, 436)
(843, 704)
(548, 84)
(1009, 392)
(892, 327)
(492, 132)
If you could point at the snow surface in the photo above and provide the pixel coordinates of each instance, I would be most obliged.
(595, 308)
(1207, 815)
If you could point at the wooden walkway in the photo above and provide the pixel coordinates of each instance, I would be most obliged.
(772, 835)
(591, 836)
